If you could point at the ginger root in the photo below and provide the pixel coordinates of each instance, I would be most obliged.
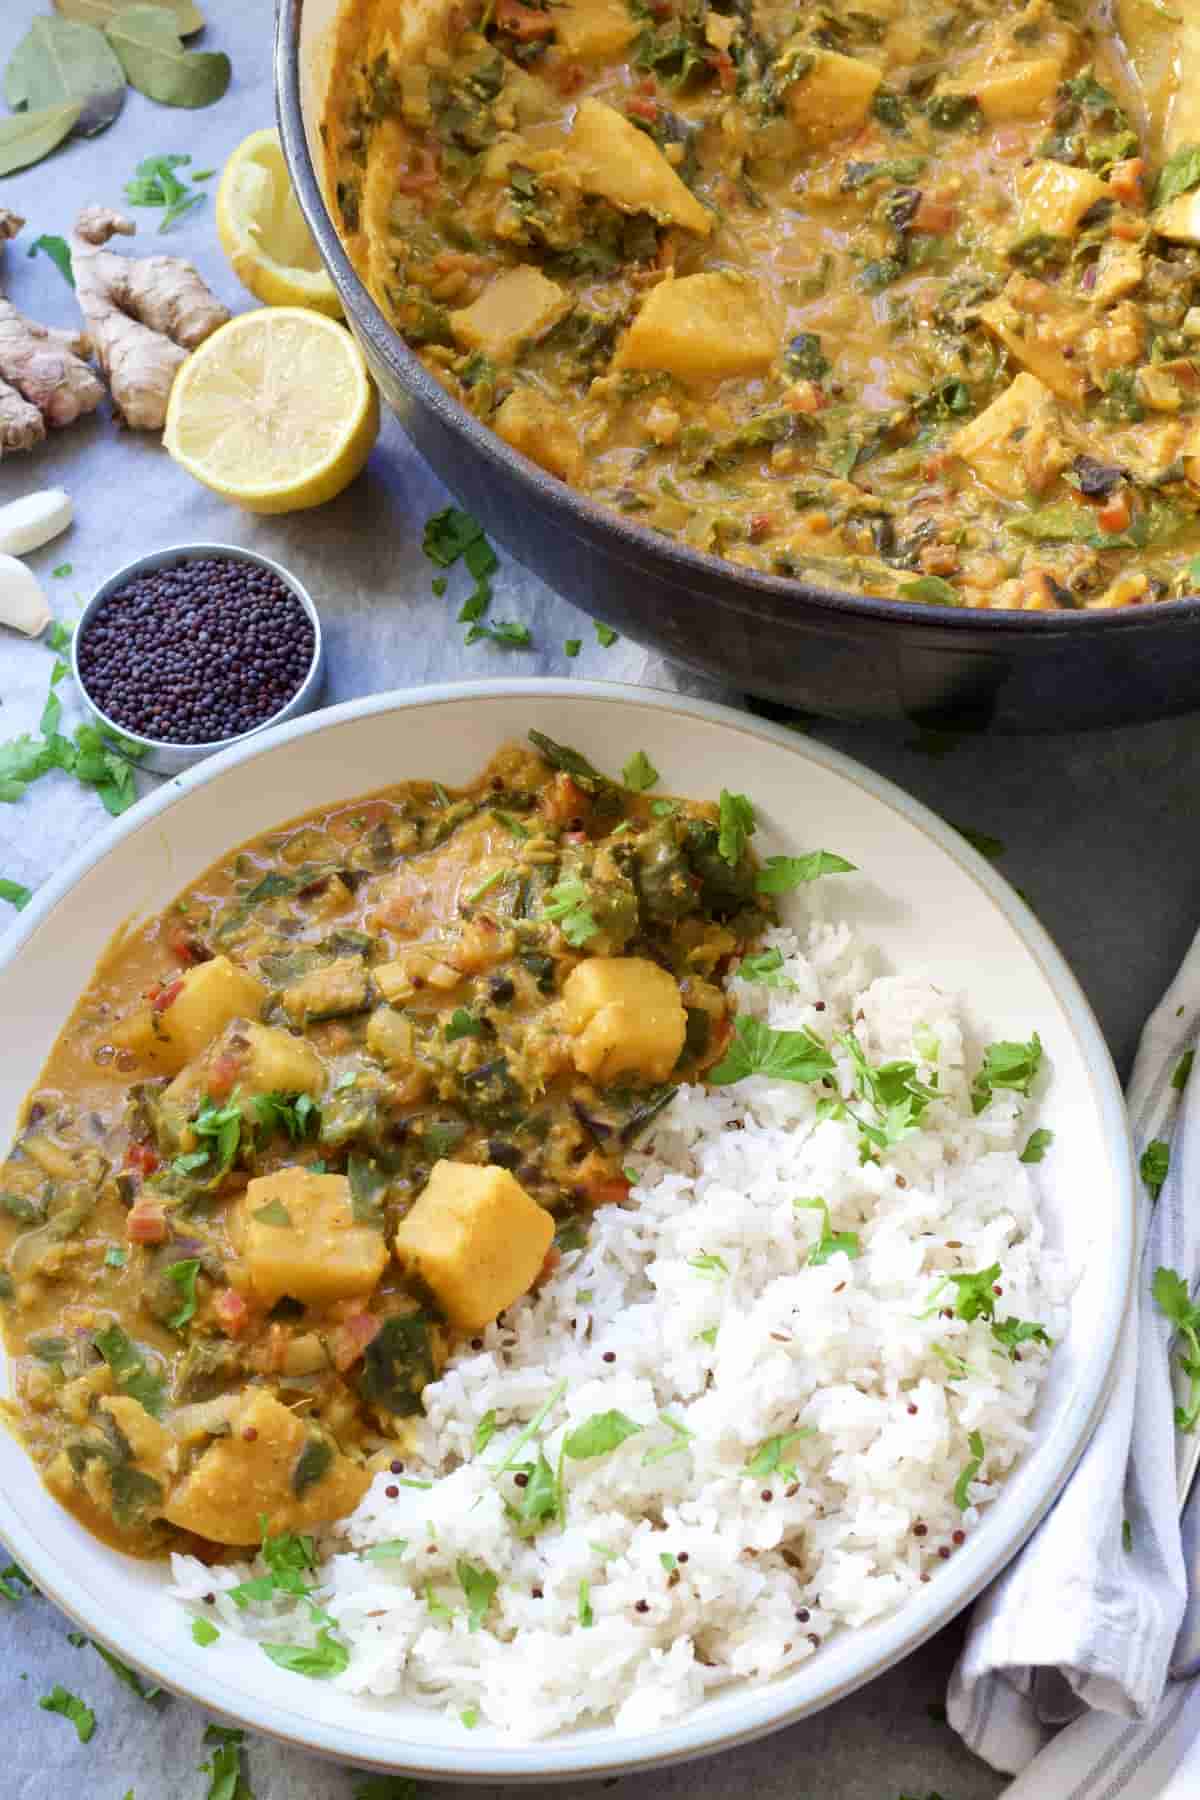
(143, 315)
(44, 380)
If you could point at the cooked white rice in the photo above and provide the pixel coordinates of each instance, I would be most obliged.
(697, 1573)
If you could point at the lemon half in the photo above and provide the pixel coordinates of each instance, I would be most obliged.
(276, 411)
(263, 233)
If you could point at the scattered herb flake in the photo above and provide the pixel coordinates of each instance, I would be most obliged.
(736, 827)
(1006, 1065)
(203, 1633)
(971, 1470)
(1036, 1147)
(639, 772)
(587, 1617)
(572, 646)
(765, 969)
(479, 1587)
(1154, 1166)
(782, 874)
(15, 894)
(757, 1049)
(606, 637)
(598, 1435)
(58, 1700)
(1183, 1068)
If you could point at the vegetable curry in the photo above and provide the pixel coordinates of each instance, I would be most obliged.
(883, 295)
(327, 1116)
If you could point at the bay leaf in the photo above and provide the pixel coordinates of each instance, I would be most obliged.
(59, 62)
(188, 17)
(28, 136)
(156, 63)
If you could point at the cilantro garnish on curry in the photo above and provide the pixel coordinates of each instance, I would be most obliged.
(318, 1123)
(878, 295)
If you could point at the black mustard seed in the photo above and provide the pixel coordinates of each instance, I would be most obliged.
(197, 651)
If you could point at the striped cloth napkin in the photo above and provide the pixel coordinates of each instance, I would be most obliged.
(1082, 1625)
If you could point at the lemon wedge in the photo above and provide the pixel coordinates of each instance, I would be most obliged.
(263, 233)
(275, 411)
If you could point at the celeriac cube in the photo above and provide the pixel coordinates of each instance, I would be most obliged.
(626, 1016)
(699, 327)
(210, 995)
(296, 1234)
(476, 1240)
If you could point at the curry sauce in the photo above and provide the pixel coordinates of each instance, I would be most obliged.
(879, 295)
(328, 1114)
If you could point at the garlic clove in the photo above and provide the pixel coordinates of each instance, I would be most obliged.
(23, 605)
(33, 520)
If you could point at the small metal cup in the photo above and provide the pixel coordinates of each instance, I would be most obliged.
(164, 758)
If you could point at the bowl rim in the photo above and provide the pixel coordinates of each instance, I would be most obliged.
(191, 551)
(743, 590)
(760, 1709)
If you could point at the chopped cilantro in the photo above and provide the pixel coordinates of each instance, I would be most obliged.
(587, 1617)
(757, 1049)
(773, 1456)
(447, 535)
(830, 1243)
(639, 772)
(764, 968)
(1173, 1298)
(712, 1267)
(572, 646)
(319, 1661)
(1006, 1065)
(183, 1276)
(737, 826)
(961, 1486)
(115, 1258)
(1178, 175)
(479, 1586)
(606, 637)
(598, 1435)
(390, 1550)
(681, 1437)
(783, 873)
(1182, 1070)
(203, 1633)
(1126, 1536)
(1154, 1166)
(58, 1700)
(504, 632)
(462, 1023)
(485, 1431)
(15, 894)
(566, 905)
(1037, 1146)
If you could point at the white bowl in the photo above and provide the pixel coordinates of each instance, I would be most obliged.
(923, 894)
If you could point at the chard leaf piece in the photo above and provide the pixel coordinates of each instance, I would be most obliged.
(961, 1495)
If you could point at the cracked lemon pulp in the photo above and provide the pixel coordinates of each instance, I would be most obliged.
(263, 232)
(276, 411)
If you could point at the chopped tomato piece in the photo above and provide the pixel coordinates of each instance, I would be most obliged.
(641, 108)
(1115, 514)
(421, 173)
(146, 1223)
(167, 996)
(726, 68)
(1127, 180)
(563, 800)
(525, 23)
(233, 1314)
(142, 1158)
(224, 1073)
(607, 1190)
(761, 526)
(352, 1338)
(936, 217)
